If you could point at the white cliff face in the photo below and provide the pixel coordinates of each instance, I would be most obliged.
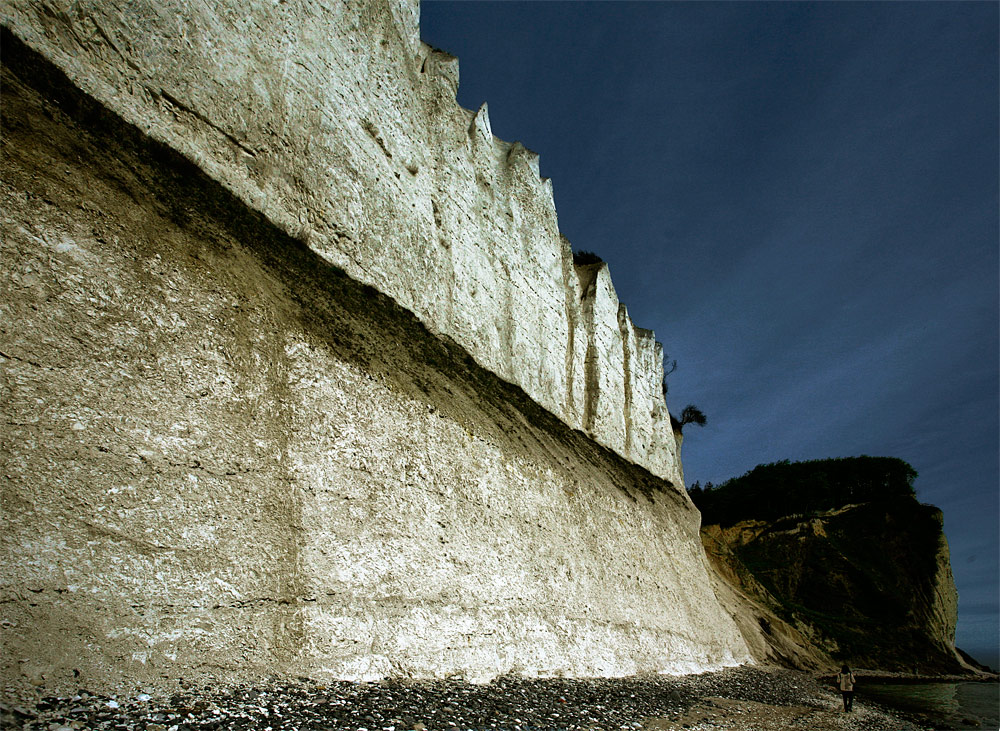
(341, 127)
(225, 456)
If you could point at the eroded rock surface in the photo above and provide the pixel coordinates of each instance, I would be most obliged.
(225, 458)
(338, 124)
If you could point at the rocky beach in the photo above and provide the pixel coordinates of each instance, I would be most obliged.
(743, 699)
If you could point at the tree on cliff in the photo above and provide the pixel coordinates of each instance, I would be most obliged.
(696, 490)
(669, 366)
(690, 415)
(771, 491)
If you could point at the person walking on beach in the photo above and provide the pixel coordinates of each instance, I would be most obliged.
(845, 678)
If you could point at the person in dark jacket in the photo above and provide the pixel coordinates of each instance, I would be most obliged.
(846, 681)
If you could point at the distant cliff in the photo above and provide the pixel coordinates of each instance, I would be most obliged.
(836, 561)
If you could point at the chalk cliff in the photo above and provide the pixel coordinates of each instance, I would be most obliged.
(295, 368)
(341, 127)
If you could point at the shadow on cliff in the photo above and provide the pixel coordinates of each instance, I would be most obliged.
(356, 322)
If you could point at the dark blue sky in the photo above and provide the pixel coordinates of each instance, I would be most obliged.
(801, 199)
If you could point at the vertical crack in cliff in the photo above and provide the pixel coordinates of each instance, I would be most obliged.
(571, 283)
(506, 324)
(290, 622)
(628, 342)
(591, 369)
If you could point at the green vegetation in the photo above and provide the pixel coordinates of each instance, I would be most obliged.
(772, 491)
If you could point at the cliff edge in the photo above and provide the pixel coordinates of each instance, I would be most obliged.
(342, 128)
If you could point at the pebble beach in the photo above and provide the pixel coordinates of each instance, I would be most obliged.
(743, 699)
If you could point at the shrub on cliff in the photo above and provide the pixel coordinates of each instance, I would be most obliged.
(583, 258)
(690, 415)
(669, 366)
(779, 489)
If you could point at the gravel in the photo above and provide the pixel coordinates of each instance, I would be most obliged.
(508, 703)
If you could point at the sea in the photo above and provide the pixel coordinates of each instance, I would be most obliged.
(957, 705)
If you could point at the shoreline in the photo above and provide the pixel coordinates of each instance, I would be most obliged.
(879, 677)
(747, 698)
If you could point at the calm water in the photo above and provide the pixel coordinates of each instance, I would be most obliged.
(953, 701)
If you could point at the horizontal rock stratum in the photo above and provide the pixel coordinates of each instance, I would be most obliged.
(294, 362)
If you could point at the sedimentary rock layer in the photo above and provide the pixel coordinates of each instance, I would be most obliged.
(338, 124)
(225, 457)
